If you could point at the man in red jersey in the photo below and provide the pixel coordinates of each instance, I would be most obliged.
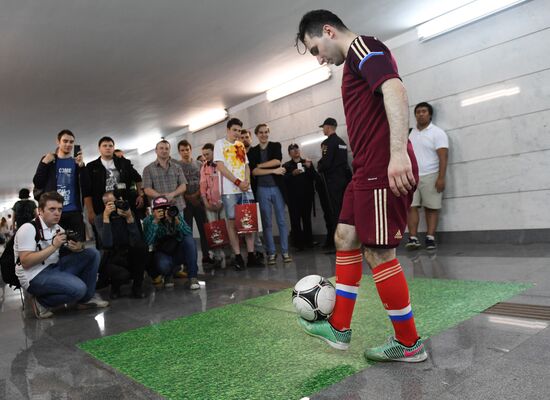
(374, 211)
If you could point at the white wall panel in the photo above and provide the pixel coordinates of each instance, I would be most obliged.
(534, 96)
(512, 135)
(476, 37)
(509, 60)
(518, 173)
(526, 210)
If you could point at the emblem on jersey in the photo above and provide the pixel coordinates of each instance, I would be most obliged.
(398, 235)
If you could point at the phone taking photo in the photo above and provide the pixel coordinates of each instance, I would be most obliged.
(76, 150)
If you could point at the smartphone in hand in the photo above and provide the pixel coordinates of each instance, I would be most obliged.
(76, 150)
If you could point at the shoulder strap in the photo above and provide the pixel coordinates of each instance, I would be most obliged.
(39, 235)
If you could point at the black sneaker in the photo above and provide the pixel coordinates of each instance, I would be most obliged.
(138, 292)
(259, 256)
(115, 293)
(430, 244)
(252, 261)
(207, 260)
(238, 263)
(413, 244)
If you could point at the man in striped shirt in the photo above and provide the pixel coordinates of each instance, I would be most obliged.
(374, 210)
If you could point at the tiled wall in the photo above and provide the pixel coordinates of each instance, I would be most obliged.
(499, 172)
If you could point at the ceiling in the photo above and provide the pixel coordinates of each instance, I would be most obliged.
(126, 68)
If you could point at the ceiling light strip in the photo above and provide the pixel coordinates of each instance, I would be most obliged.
(462, 16)
(302, 82)
(490, 96)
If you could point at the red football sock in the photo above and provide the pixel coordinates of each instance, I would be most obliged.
(394, 293)
(349, 266)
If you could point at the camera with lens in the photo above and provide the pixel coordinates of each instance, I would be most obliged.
(122, 204)
(172, 211)
(72, 235)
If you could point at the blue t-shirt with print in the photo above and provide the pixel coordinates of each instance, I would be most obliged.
(65, 169)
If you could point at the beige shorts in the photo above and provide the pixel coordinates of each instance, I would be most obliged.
(426, 194)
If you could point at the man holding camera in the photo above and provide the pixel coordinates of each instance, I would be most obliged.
(108, 173)
(64, 172)
(53, 281)
(125, 253)
(172, 241)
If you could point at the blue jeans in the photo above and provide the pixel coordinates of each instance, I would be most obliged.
(186, 252)
(71, 280)
(270, 197)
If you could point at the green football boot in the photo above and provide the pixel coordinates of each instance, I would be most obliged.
(392, 350)
(324, 330)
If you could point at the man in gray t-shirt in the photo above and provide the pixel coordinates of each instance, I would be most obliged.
(194, 208)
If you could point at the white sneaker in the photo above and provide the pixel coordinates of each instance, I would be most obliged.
(168, 282)
(194, 284)
(94, 302)
(39, 310)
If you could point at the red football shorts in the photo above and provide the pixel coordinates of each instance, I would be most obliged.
(378, 215)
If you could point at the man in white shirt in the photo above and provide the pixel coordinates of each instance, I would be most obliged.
(51, 280)
(431, 147)
(232, 162)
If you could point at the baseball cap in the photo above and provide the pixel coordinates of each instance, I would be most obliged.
(329, 121)
(293, 146)
(160, 202)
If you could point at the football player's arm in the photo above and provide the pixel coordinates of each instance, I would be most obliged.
(400, 174)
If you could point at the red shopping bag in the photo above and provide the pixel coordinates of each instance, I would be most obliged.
(216, 233)
(247, 218)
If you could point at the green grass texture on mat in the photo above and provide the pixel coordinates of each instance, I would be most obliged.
(256, 350)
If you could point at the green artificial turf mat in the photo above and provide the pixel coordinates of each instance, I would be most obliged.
(256, 350)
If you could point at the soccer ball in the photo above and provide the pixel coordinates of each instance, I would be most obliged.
(314, 297)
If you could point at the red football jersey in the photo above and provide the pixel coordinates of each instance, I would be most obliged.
(369, 63)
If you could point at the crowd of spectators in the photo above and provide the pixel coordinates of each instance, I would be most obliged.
(143, 223)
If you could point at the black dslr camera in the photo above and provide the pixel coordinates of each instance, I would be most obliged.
(72, 235)
(171, 211)
(121, 203)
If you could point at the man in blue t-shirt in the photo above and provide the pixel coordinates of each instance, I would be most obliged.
(64, 173)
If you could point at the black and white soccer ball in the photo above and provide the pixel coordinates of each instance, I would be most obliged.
(314, 297)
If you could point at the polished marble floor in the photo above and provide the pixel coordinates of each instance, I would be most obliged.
(484, 357)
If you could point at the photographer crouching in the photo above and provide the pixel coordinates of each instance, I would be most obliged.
(52, 280)
(124, 251)
(172, 241)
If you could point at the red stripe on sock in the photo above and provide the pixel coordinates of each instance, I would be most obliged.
(348, 274)
(394, 293)
(385, 266)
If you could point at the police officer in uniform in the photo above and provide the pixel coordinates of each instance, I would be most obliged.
(335, 172)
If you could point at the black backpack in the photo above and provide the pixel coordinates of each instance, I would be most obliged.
(7, 260)
(24, 212)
